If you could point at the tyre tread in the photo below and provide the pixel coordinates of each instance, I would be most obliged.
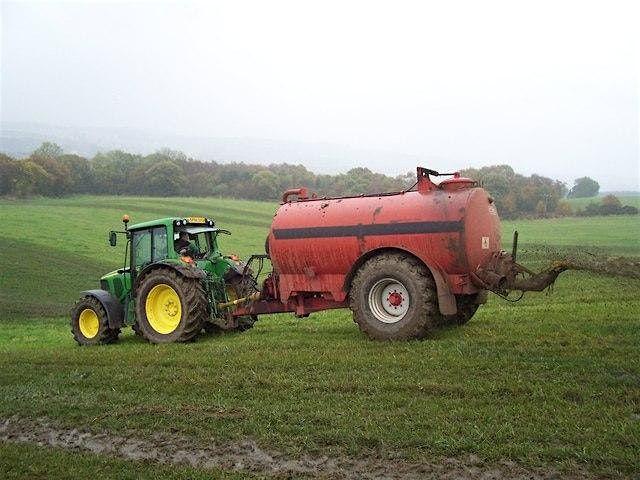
(105, 334)
(423, 321)
(193, 299)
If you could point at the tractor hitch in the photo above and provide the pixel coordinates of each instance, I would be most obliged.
(249, 298)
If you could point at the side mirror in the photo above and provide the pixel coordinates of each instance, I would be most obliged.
(113, 239)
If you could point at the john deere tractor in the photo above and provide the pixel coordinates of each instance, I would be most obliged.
(168, 291)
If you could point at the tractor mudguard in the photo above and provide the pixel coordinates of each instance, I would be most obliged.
(115, 310)
(184, 270)
(235, 268)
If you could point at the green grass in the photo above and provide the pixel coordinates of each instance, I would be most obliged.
(553, 381)
(615, 234)
(580, 203)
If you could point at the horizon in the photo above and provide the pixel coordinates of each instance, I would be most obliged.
(551, 90)
(152, 149)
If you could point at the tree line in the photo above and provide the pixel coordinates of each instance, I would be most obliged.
(49, 171)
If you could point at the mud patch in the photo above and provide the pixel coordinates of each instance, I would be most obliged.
(248, 457)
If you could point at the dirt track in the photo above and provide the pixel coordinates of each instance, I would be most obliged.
(248, 457)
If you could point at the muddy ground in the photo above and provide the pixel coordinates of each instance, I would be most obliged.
(250, 458)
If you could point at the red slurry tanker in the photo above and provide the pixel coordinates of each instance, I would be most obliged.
(404, 263)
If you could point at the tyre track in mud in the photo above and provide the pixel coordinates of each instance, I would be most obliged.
(248, 457)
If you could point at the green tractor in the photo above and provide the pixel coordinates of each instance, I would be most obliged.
(175, 283)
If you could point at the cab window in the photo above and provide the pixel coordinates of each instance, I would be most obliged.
(149, 246)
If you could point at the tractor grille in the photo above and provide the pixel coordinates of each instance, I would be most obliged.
(104, 285)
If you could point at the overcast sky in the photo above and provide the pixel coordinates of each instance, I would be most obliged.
(547, 87)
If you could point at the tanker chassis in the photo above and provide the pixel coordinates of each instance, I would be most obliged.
(404, 263)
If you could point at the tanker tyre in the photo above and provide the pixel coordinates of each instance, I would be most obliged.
(393, 297)
(467, 308)
(90, 324)
(170, 307)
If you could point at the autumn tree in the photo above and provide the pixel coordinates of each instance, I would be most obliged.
(9, 172)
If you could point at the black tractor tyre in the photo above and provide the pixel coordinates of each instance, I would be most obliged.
(393, 297)
(239, 287)
(90, 324)
(467, 308)
(170, 307)
(136, 329)
(245, 323)
(212, 328)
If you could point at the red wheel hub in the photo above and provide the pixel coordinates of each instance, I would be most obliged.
(395, 299)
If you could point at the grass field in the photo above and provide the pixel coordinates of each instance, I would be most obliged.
(580, 203)
(552, 382)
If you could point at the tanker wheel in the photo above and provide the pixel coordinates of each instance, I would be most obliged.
(89, 323)
(393, 297)
(467, 308)
(170, 307)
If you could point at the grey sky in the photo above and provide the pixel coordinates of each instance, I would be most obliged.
(548, 87)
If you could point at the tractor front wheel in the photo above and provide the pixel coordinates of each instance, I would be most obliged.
(90, 324)
(393, 297)
(170, 307)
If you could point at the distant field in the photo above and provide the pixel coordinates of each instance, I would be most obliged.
(551, 382)
(580, 203)
(616, 235)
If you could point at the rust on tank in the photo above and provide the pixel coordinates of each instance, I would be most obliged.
(454, 247)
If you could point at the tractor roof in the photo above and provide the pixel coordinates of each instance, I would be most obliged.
(179, 223)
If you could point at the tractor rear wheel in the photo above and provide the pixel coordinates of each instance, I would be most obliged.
(467, 308)
(239, 287)
(393, 297)
(90, 324)
(170, 307)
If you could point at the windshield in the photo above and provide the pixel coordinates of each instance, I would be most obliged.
(201, 243)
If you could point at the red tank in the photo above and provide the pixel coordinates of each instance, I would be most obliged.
(405, 263)
(317, 245)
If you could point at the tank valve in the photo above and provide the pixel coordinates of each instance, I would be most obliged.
(501, 274)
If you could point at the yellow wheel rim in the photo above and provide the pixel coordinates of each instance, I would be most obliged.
(88, 323)
(163, 309)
